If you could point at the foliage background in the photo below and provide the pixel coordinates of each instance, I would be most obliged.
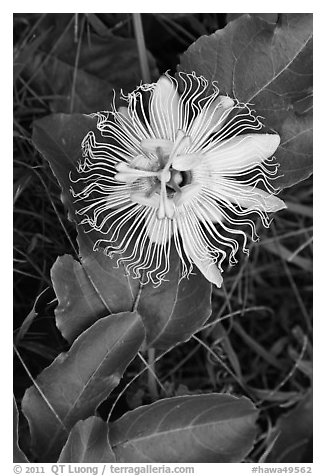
(264, 339)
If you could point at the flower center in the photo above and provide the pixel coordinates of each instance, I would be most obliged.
(162, 178)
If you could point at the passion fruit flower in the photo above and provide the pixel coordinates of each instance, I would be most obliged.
(188, 172)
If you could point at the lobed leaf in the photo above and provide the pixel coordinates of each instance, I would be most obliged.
(77, 381)
(215, 428)
(268, 65)
(88, 443)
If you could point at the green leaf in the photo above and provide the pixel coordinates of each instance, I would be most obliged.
(270, 17)
(295, 150)
(88, 443)
(94, 286)
(215, 428)
(88, 291)
(175, 310)
(269, 66)
(73, 386)
(78, 302)
(171, 313)
(18, 455)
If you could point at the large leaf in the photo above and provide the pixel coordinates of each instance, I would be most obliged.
(269, 66)
(18, 455)
(84, 291)
(215, 428)
(91, 288)
(79, 303)
(88, 443)
(76, 382)
(171, 313)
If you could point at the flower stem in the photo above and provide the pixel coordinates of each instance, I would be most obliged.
(143, 60)
(151, 377)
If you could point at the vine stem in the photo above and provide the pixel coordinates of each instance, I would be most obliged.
(151, 377)
(146, 77)
(142, 53)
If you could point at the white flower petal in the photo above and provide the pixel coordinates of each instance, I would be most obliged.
(186, 161)
(206, 266)
(124, 112)
(211, 118)
(207, 211)
(248, 197)
(130, 130)
(204, 209)
(181, 144)
(244, 151)
(128, 174)
(152, 201)
(158, 231)
(151, 145)
(188, 192)
(142, 162)
(257, 199)
(164, 108)
(209, 269)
